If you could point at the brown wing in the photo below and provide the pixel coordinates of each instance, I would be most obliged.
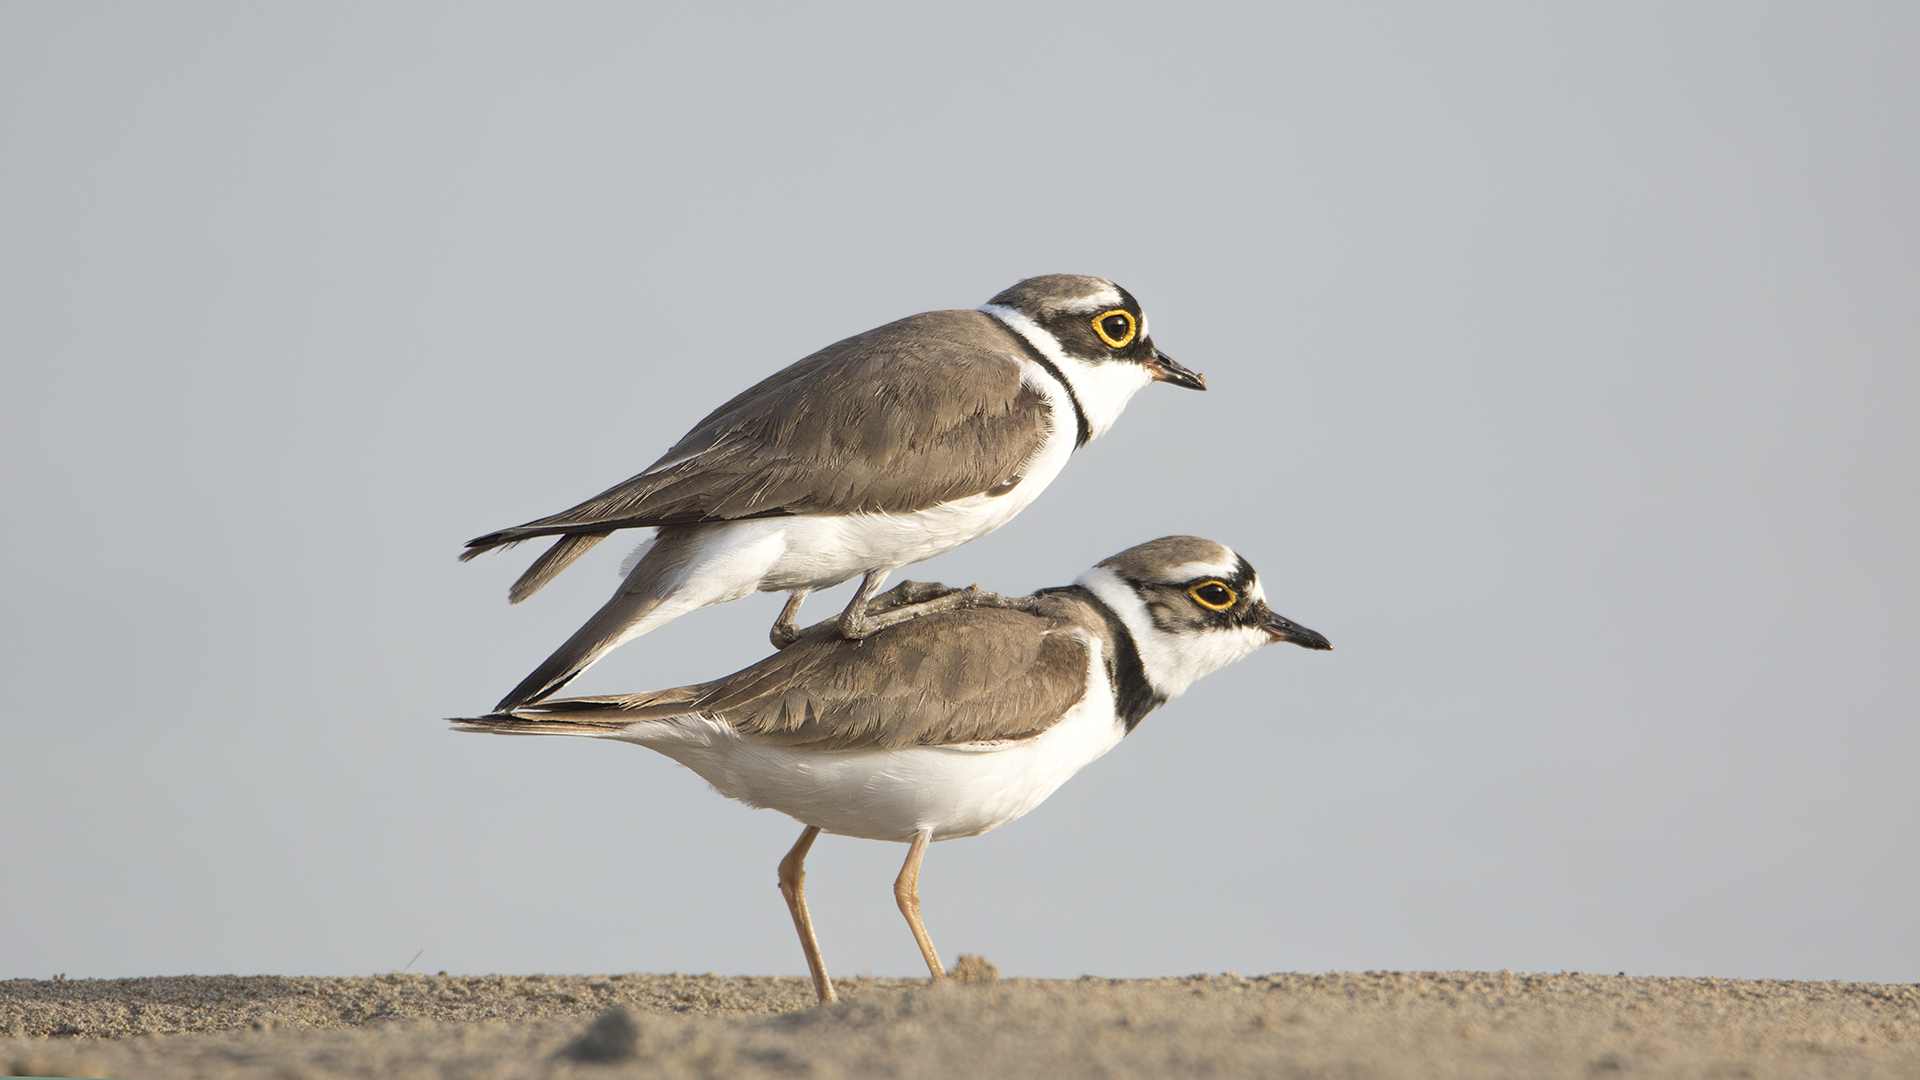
(901, 418)
(953, 677)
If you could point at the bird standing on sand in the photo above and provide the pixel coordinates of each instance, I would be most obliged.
(887, 448)
(952, 723)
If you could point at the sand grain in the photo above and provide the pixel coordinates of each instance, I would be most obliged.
(1452, 1024)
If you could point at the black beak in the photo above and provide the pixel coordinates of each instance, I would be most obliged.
(1168, 370)
(1280, 628)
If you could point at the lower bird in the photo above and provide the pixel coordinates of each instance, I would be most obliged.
(952, 723)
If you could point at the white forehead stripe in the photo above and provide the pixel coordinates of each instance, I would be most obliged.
(1189, 571)
(1224, 571)
(1108, 297)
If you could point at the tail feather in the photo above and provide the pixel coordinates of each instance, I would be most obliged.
(583, 715)
(499, 538)
(476, 548)
(650, 597)
(508, 724)
(606, 629)
(557, 558)
(561, 555)
(627, 707)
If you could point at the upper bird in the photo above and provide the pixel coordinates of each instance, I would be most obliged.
(887, 448)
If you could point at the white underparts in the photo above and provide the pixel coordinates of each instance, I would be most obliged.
(951, 791)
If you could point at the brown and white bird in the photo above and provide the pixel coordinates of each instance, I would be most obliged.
(887, 448)
(949, 724)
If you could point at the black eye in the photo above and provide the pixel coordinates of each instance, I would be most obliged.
(1115, 327)
(1212, 594)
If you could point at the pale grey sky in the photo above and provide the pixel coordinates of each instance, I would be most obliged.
(1565, 368)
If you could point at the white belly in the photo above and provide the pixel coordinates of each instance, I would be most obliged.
(893, 794)
(819, 552)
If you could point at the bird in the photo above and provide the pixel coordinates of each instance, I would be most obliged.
(949, 724)
(881, 450)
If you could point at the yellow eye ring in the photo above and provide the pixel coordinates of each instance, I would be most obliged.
(1208, 595)
(1116, 341)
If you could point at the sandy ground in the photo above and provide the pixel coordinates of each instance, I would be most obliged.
(1378, 1024)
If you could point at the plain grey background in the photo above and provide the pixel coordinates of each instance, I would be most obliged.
(1565, 371)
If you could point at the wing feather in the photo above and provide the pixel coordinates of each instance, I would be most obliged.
(968, 676)
(939, 680)
(901, 418)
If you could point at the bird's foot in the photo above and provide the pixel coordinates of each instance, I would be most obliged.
(907, 593)
(786, 629)
(912, 599)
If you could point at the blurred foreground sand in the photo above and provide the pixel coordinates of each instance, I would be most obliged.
(1383, 1024)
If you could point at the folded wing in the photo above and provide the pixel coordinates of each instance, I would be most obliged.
(901, 418)
(970, 676)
